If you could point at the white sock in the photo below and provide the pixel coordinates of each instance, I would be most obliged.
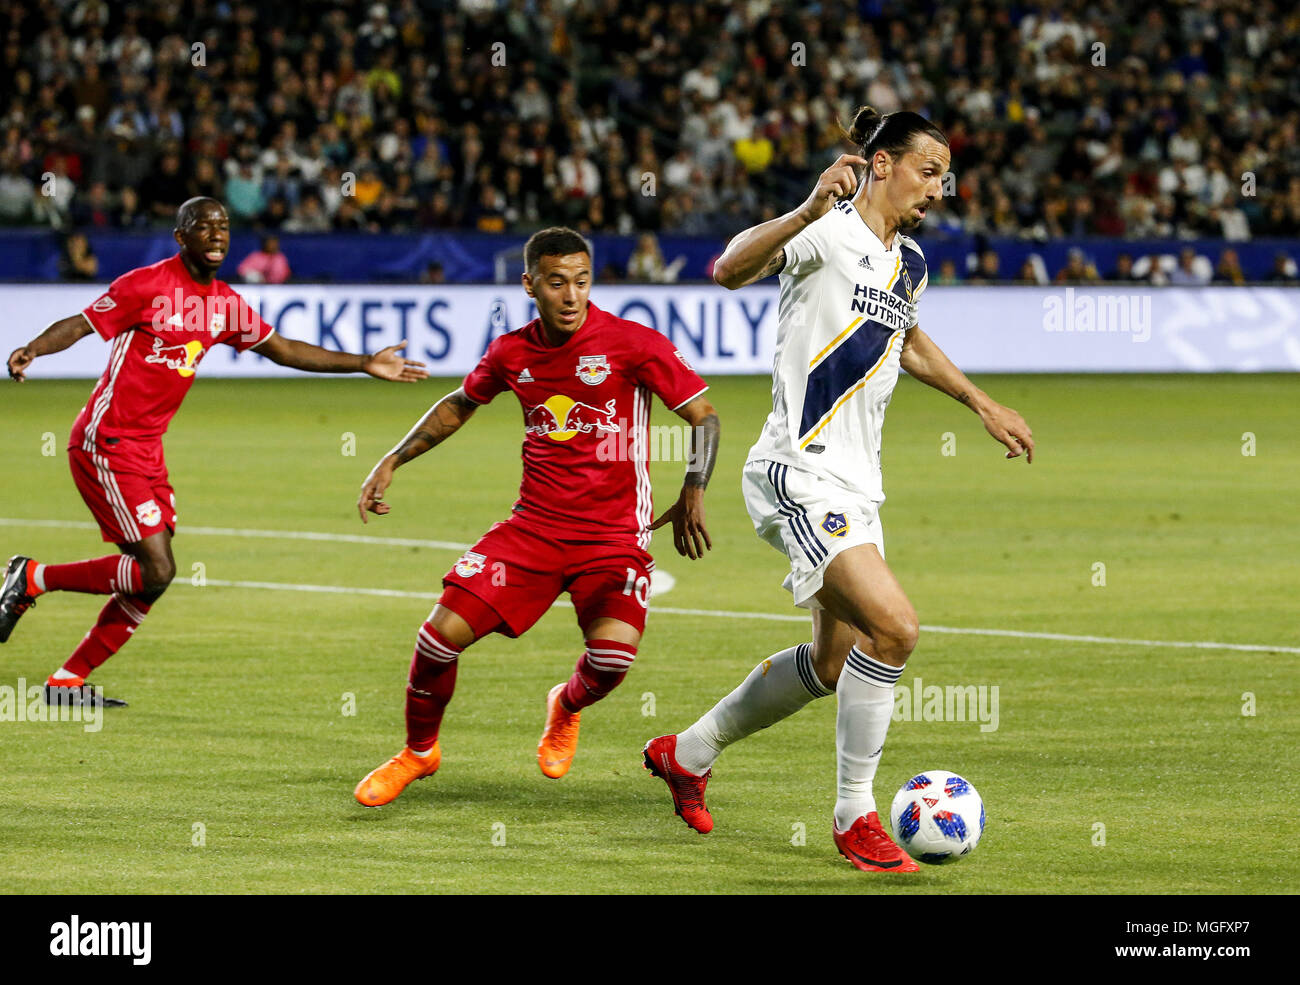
(423, 755)
(866, 704)
(38, 576)
(63, 675)
(775, 689)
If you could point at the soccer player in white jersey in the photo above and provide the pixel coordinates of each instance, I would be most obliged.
(850, 281)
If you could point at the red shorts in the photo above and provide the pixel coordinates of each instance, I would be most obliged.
(126, 487)
(519, 570)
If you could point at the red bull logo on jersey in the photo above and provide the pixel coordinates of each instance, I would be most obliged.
(148, 514)
(560, 418)
(592, 369)
(470, 564)
(183, 358)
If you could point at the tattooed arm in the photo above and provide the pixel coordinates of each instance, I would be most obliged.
(443, 420)
(759, 251)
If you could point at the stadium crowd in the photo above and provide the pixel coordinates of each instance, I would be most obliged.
(1169, 119)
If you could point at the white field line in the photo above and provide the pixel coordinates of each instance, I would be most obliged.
(667, 610)
(268, 534)
(778, 617)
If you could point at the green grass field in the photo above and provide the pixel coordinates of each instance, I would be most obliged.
(238, 696)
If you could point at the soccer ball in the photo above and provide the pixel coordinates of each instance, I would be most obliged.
(937, 817)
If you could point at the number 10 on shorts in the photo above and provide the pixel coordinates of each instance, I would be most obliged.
(639, 588)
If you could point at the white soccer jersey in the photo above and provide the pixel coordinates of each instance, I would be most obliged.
(846, 303)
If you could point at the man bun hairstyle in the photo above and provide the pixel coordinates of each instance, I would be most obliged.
(894, 133)
(557, 241)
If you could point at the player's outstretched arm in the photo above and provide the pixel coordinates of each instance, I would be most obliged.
(757, 252)
(690, 536)
(386, 364)
(56, 338)
(443, 420)
(923, 359)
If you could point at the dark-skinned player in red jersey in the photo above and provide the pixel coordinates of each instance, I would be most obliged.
(161, 320)
(583, 519)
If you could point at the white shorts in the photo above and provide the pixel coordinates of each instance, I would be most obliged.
(808, 519)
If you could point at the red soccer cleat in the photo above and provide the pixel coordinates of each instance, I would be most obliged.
(687, 788)
(869, 848)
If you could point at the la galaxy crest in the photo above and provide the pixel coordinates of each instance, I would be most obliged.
(835, 524)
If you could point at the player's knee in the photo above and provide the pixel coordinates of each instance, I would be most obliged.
(896, 640)
(155, 575)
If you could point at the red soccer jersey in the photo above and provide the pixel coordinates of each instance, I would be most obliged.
(586, 420)
(161, 322)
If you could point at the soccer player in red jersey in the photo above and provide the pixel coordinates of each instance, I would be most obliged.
(583, 519)
(161, 320)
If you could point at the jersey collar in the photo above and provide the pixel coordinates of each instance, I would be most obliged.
(872, 233)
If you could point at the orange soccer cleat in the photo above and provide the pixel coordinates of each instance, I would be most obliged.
(382, 784)
(867, 846)
(560, 739)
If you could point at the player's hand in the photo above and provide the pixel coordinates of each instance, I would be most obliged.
(1010, 428)
(373, 489)
(687, 516)
(836, 182)
(19, 360)
(386, 364)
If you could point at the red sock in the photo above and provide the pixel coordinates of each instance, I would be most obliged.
(600, 670)
(117, 621)
(433, 679)
(99, 576)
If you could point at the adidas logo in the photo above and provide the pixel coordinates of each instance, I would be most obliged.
(525, 376)
(865, 262)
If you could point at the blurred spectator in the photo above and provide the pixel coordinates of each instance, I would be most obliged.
(1078, 269)
(17, 194)
(1228, 270)
(165, 189)
(243, 195)
(78, 262)
(128, 215)
(309, 217)
(1191, 270)
(1029, 272)
(947, 273)
(986, 268)
(433, 274)
(266, 265)
(93, 208)
(1284, 269)
(1124, 271)
(646, 264)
